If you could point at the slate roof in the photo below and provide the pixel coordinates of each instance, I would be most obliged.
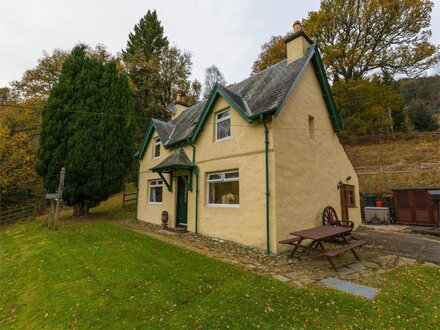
(178, 159)
(260, 94)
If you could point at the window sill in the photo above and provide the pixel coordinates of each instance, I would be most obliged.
(155, 203)
(228, 206)
(222, 140)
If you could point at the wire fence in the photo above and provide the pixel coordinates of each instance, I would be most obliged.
(398, 168)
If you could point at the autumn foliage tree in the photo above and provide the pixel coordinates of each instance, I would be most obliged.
(19, 129)
(366, 106)
(361, 37)
(272, 52)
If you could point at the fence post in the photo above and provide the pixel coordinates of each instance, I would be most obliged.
(59, 196)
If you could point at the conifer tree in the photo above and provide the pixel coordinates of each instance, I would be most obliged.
(142, 58)
(88, 127)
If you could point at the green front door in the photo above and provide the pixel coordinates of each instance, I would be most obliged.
(182, 203)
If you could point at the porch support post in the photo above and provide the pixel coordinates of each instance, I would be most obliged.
(187, 183)
(170, 184)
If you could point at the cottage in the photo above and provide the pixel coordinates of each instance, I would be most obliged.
(256, 160)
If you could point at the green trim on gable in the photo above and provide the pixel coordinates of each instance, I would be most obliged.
(145, 141)
(315, 57)
(208, 107)
(325, 86)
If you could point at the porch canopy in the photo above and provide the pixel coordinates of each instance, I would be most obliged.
(177, 162)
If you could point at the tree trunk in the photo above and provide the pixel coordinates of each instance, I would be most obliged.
(80, 209)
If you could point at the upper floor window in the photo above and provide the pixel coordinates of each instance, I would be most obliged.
(223, 125)
(156, 148)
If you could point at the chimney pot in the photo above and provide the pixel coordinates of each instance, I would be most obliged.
(183, 98)
(178, 97)
(297, 26)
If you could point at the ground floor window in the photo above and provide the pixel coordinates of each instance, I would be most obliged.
(155, 192)
(223, 188)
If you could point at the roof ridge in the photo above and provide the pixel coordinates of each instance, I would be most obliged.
(260, 72)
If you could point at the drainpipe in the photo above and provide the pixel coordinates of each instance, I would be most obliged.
(196, 172)
(266, 143)
(137, 190)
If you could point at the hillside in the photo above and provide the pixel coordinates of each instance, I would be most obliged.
(425, 88)
(424, 148)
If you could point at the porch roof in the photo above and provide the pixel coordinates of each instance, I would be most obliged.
(177, 160)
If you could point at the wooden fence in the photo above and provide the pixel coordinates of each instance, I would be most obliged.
(128, 197)
(18, 213)
(398, 168)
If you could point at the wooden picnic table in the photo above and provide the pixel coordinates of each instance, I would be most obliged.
(318, 235)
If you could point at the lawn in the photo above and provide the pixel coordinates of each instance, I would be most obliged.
(99, 275)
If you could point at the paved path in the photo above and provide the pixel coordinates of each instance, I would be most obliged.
(415, 246)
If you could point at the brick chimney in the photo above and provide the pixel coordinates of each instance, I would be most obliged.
(297, 42)
(179, 105)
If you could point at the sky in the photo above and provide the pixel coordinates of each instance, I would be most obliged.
(227, 33)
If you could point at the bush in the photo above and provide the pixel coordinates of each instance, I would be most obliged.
(421, 117)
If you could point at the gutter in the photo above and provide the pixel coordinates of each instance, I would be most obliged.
(196, 172)
(266, 153)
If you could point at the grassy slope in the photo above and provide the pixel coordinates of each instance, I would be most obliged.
(396, 152)
(97, 275)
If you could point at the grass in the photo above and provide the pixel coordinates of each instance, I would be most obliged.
(395, 152)
(98, 275)
(421, 149)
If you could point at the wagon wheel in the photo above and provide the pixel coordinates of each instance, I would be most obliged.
(329, 217)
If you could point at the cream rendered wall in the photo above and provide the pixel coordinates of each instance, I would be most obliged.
(152, 212)
(244, 151)
(308, 170)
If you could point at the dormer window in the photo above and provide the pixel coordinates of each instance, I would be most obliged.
(223, 125)
(156, 148)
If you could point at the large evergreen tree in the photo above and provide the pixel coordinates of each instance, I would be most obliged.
(142, 58)
(88, 127)
(147, 37)
(157, 71)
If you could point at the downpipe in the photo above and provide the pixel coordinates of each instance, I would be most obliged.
(266, 144)
(196, 172)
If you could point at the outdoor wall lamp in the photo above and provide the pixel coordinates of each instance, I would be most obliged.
(340, 184)
(348, 178)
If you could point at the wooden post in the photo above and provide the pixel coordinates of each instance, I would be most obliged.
(49, 220)
(59, 196)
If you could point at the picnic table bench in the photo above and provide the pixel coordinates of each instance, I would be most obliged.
(320, 234)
